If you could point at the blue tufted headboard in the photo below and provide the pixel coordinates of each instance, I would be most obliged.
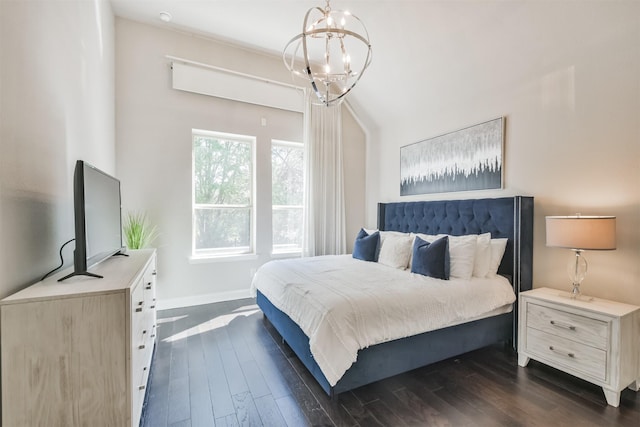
(510, 217)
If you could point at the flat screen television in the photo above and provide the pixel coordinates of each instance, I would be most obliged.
(98, 219)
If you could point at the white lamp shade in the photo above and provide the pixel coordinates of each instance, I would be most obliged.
(582, 232)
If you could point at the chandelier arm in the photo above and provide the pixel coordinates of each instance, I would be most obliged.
(305, 52)
(306, 18)
(332, 31)
(327, 57)
(346, 60)
(290, 66)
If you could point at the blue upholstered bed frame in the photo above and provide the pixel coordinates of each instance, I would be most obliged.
(510, 217)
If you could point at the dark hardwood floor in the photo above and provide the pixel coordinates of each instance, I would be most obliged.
(222, 364)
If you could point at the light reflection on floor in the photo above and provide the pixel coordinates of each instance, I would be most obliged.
(209, 325)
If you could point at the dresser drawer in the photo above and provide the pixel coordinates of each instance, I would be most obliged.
(572, 355)
(140, 379)
(138, 301)
(589, 331)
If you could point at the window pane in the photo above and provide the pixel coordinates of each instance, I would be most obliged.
(222, 171)
(287, 228)
(287, 175)
(287, 186)
(222, 228)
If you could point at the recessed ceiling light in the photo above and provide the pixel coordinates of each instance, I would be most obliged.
(165, 16)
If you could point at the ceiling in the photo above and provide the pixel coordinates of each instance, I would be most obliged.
(262, 24)
(423, 50)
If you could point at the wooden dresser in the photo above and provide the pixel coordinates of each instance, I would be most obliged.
(78, 353)
(594, 339)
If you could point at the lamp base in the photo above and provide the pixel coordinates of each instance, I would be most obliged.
(576, 296)
(577, 269)
(575, 291)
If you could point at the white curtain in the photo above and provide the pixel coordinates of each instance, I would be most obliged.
(324, 227)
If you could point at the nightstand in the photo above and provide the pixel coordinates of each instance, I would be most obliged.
(594, 339)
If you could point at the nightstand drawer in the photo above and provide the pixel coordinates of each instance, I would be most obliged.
(563, 324)
(573, 355)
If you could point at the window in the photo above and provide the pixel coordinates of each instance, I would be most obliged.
(287, 195)
(222, 193)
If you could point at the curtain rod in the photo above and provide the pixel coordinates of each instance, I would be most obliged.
(237, 73)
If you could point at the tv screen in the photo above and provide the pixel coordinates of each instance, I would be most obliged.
(98, 220)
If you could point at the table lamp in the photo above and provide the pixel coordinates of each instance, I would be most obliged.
(580, 233)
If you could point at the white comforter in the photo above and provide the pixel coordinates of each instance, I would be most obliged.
(344, 304)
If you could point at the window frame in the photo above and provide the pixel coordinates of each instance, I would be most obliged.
(226, 251)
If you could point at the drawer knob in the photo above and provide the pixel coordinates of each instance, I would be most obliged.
(154, 273)
(557, 351)
(141, 347)
(148, 286)
(562, 325)
(142, 387)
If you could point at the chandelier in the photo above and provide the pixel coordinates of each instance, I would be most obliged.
(332, 52)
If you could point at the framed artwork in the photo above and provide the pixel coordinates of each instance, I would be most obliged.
(463, 160)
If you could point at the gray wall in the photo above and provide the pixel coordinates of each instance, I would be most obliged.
(154, 124)
(57, 106)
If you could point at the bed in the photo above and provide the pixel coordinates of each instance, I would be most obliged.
(509, 217)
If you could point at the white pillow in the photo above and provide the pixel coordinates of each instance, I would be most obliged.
(384, 234)
(428, 237)
(483, 255)
(497, 251)
(462, 254)
(395, 249)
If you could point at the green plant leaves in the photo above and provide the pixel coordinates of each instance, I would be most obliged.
(138, 233)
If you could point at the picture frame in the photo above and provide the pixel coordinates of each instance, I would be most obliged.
(463, 160)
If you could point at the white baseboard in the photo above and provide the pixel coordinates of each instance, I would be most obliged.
(166, 304)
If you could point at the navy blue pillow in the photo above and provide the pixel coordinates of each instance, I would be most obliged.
(366, 246)
(431, 259)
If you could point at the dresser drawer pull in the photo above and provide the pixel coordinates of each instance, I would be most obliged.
(142, 387)
(557, 351)
(154, 273)
(562, 325)
(148, 286)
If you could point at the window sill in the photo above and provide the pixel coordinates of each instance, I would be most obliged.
(205, 259)
(279, 255)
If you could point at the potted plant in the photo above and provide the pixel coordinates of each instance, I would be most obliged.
(138, 232)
